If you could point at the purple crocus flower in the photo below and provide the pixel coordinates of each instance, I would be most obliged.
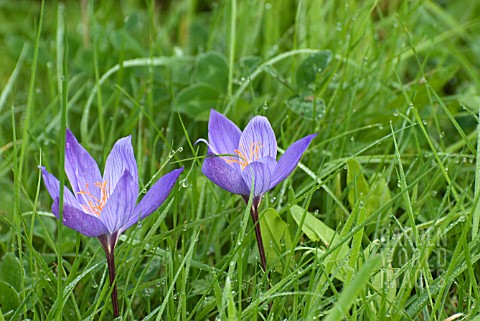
(104, 207)
(247, 154)
(237, 159)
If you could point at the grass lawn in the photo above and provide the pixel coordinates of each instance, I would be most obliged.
(379, 221)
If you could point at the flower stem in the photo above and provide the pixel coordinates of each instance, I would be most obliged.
(258, 232)
(111, 271)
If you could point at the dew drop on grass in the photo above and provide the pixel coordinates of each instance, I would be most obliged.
(352, 139)
(147, 292)
(273, 199)
(434, 193)
(239, 243)
(464, 160)
(268, 6)
(271, 243)
(424, 122)
(395, 113)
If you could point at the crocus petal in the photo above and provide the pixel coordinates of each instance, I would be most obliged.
(261, 173)
(258, 140)
(224, 175)
(270, 162)
(120, 204)
(120, 159)
(80, 221)
(53, 187)
(290, 159)
(223, 134)
(81, 168)
(154, 197)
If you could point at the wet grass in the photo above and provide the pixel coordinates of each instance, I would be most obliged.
(379, 222)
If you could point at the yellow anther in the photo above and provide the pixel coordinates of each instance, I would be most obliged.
(95, 205)
(245, 157)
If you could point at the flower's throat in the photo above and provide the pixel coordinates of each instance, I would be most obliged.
(245, 157)
(95, 205)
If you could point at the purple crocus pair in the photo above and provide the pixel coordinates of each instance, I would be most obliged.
(105, 206)
(242, 162)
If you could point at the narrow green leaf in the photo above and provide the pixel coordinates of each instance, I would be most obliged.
(356, 182)
(312, 227)
(232, 312)
(316, 230)
(350, 293)
(373, 196)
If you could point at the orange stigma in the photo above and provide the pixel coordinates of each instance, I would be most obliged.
(95, 205)
(245, 157)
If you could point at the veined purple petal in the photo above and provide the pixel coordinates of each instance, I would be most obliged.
(290, 159)
(121, 158)
(81, 169)
(270, 162)
(53, 187)
(154, 197)
(224, 175)
(223, 134)
(258, 140)
(261, 173)
(121, 203)
(76, 219)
